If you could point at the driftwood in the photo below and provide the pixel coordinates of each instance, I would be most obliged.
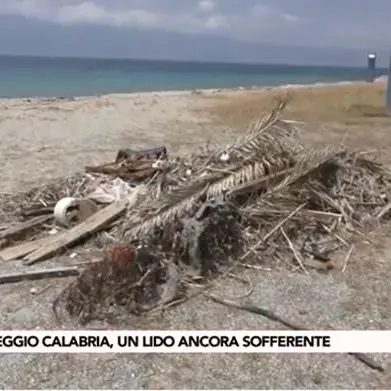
(21, 228)
(37, 211)
(39, 274)
(365, 359)
(84, 229)
(19, 251)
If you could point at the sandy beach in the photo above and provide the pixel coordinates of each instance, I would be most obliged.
(42, 139)
(48, 138)
(54, 138)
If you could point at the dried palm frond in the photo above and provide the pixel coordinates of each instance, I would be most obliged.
(247, 174)
(262, 153)
(295, 186)
(307, 165)
(264, 122)
(280, 204)
(183, 199)
(267, 136)
(168, 213)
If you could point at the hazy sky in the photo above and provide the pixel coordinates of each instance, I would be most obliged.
(359, 24)
(349, 23)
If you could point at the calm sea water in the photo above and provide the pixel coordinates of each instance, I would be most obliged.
(55, 77)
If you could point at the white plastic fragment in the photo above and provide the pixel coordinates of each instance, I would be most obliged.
(118, 190)
(224, 157)
(61, 210)
(64, 216)
(158, 164)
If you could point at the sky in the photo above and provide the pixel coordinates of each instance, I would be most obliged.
(354, 24)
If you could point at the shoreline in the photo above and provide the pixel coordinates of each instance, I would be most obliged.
(204, 91)
(46, 138)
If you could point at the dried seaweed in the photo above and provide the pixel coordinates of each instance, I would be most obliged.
(126, 277)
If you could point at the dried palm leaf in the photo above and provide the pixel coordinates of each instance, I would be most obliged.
(307, 165)
(268, 135)
(163, 217)
(246, 175)
(277, 198)
(263, 152)
(181, 200)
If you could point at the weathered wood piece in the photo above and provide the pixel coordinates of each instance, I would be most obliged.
(84, 229)
(37, 211)
(20, 250)
(66, 271)
(23, 227)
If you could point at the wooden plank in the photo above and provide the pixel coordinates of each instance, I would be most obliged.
(94, 223)
(66, 271)
(22, 227)
(20, 250)
(40, 211)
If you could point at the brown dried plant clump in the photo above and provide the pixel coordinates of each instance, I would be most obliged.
(120, 279)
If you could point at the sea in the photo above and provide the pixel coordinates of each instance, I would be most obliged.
(22, 76)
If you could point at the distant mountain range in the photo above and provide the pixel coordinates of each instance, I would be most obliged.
(19, 35)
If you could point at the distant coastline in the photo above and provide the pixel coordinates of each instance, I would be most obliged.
(28, 76)
(182, 93)
(175, 61)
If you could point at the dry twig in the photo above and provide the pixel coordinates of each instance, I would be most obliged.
(365, 359)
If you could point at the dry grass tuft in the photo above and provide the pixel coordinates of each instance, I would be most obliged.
(352, 115)
(367, 110)
(327, 104)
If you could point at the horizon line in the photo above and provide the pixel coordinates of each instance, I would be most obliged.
(184, 61)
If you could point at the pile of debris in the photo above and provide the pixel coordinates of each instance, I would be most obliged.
(173, 223)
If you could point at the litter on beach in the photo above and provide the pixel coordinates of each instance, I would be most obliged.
(167, 227)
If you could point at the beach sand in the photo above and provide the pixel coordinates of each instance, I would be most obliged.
(44, 139)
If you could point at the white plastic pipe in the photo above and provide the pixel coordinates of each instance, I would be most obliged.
(61, 210)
